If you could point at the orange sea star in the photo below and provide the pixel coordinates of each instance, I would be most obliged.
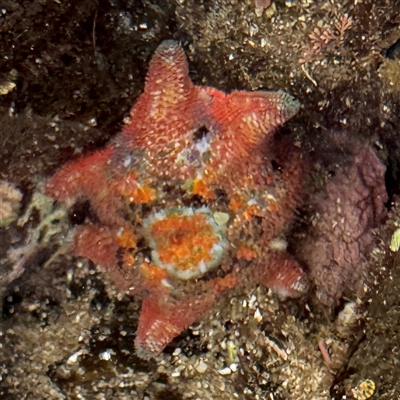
(190, 180)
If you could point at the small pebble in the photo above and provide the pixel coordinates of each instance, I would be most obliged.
(257, 315)
(225, 371)
(233, 367)
(177, 351)
(201, 367)
(176, 374)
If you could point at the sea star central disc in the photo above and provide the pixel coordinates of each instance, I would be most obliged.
(186, 243)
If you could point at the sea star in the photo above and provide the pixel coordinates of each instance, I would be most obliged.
(190, 198)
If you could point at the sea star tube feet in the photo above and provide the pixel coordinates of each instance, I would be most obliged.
(186, 200)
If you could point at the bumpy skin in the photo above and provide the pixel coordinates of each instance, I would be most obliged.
(352, 204)
(195, 155)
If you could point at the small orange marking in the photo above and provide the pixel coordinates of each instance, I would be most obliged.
(129, 259)
(143, 195)
(152, 272)
(200, 188)
(225, 283)
(133, 175)
(126, 239)
(246, 252)
(273, 206)
(252, 211)
(210, 175)
(137, 193)
(235, 203)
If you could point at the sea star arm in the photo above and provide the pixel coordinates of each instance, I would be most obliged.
(243, 119)
(80, 178)
(170, 106)
(163, 316)
(283, 275)
(162, 319)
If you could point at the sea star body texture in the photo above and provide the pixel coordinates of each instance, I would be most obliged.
(190, 198)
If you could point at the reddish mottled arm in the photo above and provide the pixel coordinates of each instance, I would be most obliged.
(80, 178)
(169, 108)
(162, 319)
(245, 118)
